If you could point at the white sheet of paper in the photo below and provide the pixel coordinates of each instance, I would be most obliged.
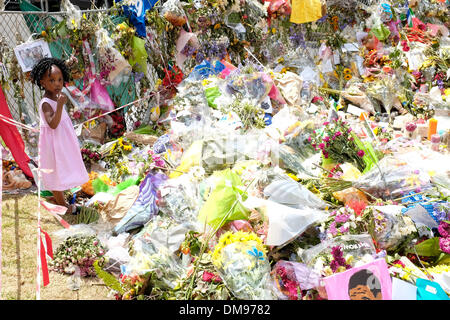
(402, 290)
(352, 47)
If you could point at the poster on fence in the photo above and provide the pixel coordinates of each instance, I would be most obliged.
(29, 53)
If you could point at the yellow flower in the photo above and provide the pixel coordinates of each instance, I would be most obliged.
(347, 76)
(280, 60)
(158, 83)
(112, 148)
(274, 30)
(283, 70)
(347, 71)
(216, 26)
(376, 130)
(293, 176)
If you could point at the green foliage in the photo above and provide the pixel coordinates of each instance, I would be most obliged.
(87, 215)
(428, 248)
(108, 279)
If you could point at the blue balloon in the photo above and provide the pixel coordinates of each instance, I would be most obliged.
(136, 14)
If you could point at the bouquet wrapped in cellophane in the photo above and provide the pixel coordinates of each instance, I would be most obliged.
(241, 260)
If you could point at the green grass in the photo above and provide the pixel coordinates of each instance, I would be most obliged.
(19, 239)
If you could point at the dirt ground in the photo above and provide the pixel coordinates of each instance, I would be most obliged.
(19, 239)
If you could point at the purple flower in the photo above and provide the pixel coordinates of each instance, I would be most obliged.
(343, 230)
(333, 229)
(341, 218)
(361, 153)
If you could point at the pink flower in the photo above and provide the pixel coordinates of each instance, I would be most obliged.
(444, 244)
(444, 229)
(326, 139)
(337, 134)
(349, 130)
(316, 98)
(361, 153)
(410, 126)
(326, 123)
(351, 139)
(321, 146)
(309, 139)
(209, 276)
(325, 154)
(77, 115)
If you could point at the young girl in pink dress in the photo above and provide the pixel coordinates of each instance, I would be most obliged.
(58, 144)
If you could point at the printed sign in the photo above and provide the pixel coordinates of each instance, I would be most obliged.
(367, 282)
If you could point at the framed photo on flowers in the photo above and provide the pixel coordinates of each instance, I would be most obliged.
(370, 281)
(29, 53)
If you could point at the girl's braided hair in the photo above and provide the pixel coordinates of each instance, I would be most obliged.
(45, 65)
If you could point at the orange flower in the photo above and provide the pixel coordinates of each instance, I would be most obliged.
(387, 69)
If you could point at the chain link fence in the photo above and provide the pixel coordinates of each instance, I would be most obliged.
(18, 27)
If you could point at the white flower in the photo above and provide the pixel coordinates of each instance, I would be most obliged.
(318, 266)
(352, 217)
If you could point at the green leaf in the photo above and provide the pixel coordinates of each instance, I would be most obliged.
(428, 248)
(109, 280)
(444, 258)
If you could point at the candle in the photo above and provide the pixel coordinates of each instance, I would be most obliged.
(432, 127)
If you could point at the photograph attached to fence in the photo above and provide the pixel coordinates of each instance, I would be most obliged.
(29, 53)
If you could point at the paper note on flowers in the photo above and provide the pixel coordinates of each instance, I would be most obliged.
(367, 282)
(306, 11)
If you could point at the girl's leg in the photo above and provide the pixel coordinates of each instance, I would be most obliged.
(59, 198)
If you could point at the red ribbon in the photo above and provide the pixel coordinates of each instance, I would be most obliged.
(49, 251)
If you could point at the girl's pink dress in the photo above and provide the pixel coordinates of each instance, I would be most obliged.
(60, 152)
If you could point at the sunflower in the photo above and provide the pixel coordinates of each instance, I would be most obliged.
(347, 76)
(347, 71)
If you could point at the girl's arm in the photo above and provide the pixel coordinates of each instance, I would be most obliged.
(53, 118)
